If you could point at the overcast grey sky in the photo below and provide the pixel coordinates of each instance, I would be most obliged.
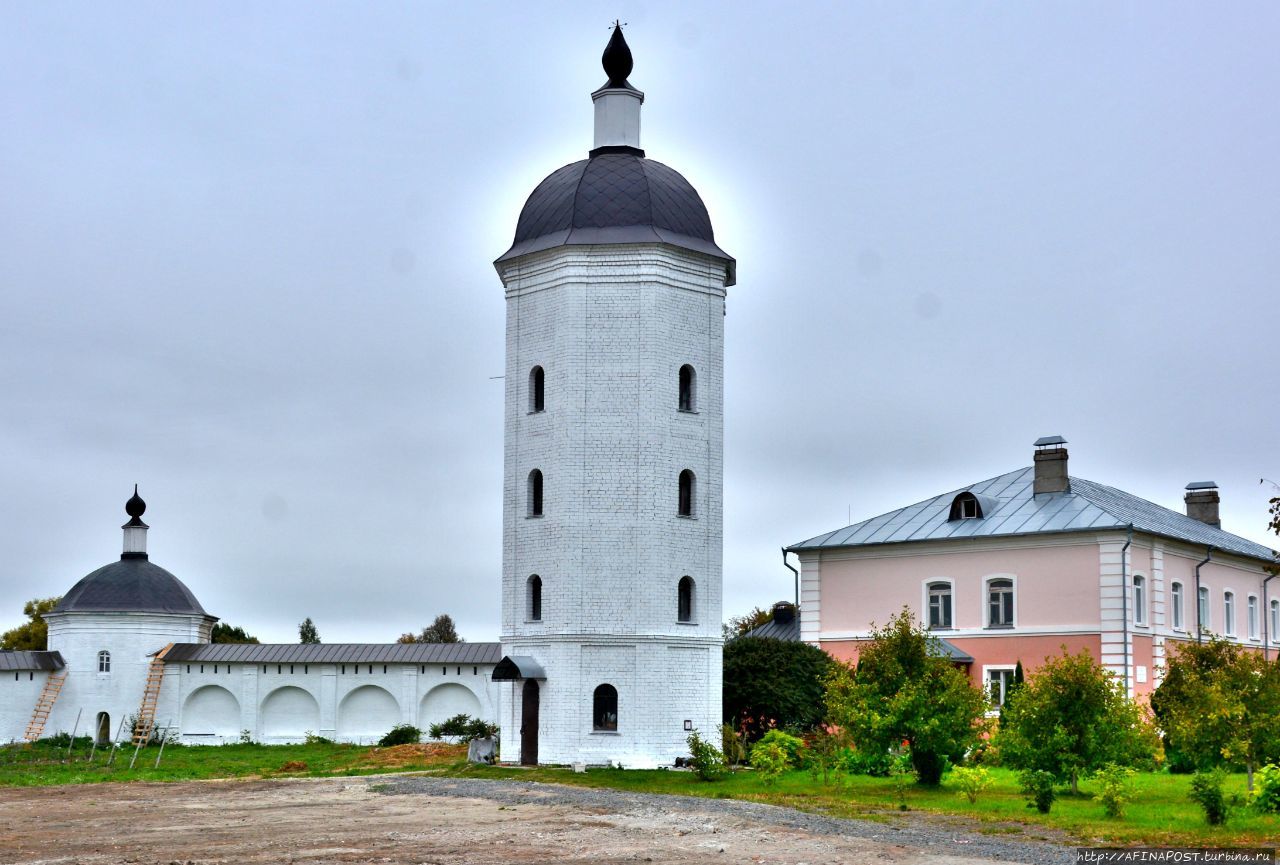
(245, 262)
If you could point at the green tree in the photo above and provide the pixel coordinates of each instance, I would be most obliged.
(1220, 702)
(224, 633)
(739, 625)
(773, 681)
(307, 632)
(906, 689)
(442, 630)
(1070, 718)
(32, 635)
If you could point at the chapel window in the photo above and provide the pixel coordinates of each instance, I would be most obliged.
(535, 493)
(687, 487)
(684, 601)
(534, 591)
(688, 388)
(537, 392)
(104, 661)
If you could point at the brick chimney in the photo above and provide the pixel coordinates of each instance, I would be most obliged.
(784, 612)
(1051, 466)
(1202, 503)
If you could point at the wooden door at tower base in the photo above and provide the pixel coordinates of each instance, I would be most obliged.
(529, 723)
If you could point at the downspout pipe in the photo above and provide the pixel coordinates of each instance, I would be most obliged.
(797, 575)
(1208, 557)
(1266, 619)
(1124, 604)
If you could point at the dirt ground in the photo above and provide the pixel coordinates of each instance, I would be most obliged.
(343, 821)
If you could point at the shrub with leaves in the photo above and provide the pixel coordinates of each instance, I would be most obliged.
(790, 745)
(464, 727)
(905, 689)
(970, 781)
(822, 752)
(704, 758)
(1206, 790)
(1266, 790)
(401, 734)
(1072, 718)
(1116, 783)
(732, 746)
(312, 738)
(769, 758)
(1037, 787)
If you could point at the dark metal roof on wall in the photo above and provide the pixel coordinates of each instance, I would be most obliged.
(15, 662)
(772, 630)
(1086, 506)
(132, 585)
(615, 198)
(336, 653)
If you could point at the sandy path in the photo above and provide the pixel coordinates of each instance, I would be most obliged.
(343, 820)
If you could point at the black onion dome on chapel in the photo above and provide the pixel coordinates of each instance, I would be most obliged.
(615, 198)
(132, 585)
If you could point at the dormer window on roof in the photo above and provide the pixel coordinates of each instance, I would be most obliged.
(968, 506)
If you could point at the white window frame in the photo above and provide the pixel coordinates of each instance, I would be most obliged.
(104, 662)
(1228, 612)
(1178, 605)
(968, 508)
(1138, 597)
(1274, 634)
(925, 598)
(1204, 609)
(1252, 620)
(986, 601)
(987, 670)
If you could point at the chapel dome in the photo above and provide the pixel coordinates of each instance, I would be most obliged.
(614, 197)
(132, 585)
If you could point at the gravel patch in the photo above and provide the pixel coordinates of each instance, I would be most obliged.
(907, 830)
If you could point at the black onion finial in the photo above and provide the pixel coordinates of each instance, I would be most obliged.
(617, 58)
(135, 507)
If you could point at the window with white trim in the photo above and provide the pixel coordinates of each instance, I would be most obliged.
(999, 681)
(1275, 621)
(1139, 599)
(1253, 617)
(1000, 603)
(104, 661)
(1175, 594)
(939, 605)
(1203, 623)
(1229, 613)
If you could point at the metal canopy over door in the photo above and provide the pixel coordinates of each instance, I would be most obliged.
(529, 723)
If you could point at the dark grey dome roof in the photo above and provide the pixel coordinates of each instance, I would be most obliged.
(615, 198)
(131, 585)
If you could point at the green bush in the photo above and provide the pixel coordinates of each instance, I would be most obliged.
(1037, 787)
(311, 738)
(769, 759)
(704, 758)
(790, 745)
(1206, 790)
(865, 761)
(1266, 791)
(401, 734)
(971, 781)
(465, 727)
(822, 753)
(1117, 789)
(732, 746)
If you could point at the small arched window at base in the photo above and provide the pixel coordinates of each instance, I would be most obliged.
(604, 708)
(684, 600)
(104, 661)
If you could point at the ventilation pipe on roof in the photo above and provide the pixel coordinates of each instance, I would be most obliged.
(794, 571)
(1208, 556)
(1051, 466)
(1202, 503)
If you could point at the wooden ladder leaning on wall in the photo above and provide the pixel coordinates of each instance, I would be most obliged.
(44, 705)
(146, 723)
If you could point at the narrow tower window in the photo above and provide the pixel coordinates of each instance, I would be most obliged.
(687, 483)
(604, 708)
(537, 399)
(535, 493)
(688, 388)
(684, 603)
(104, 661)
(535, 598)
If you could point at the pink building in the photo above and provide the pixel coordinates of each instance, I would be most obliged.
(1015, 567)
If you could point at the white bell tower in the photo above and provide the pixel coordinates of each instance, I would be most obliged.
(612, 537)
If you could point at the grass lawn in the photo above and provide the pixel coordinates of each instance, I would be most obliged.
(1161, 814)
